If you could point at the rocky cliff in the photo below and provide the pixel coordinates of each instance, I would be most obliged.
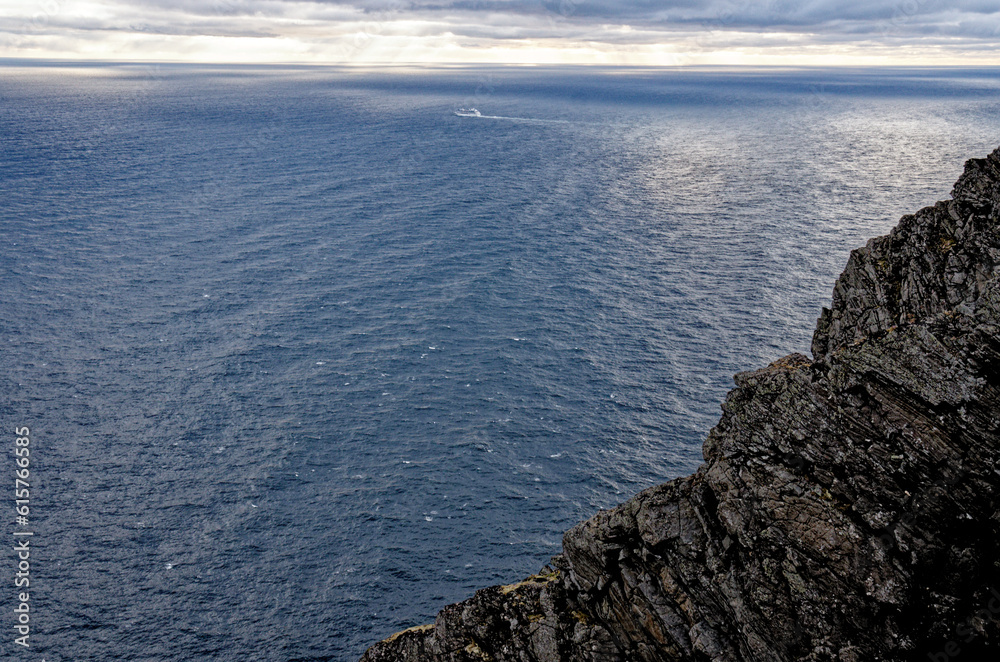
(847, 509)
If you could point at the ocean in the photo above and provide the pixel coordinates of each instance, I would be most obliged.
(305, 356)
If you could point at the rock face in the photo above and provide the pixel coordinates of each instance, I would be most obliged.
(847, 509)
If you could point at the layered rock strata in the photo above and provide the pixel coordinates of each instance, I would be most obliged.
(847, 509)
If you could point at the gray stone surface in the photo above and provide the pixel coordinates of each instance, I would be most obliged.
(847, 509)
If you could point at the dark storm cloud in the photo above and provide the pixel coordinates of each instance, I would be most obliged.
(703, 13)
(853, 17)
(976, 19)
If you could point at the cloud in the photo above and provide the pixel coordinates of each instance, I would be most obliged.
(675, 31)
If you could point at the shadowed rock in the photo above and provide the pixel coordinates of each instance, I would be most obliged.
(848, 506)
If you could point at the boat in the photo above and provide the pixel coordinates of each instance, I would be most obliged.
(468, 112)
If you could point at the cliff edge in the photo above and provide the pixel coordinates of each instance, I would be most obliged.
(847, 509)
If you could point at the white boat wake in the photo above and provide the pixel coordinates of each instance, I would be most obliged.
(472, 112)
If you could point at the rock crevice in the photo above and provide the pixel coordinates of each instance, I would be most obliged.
(847, 509)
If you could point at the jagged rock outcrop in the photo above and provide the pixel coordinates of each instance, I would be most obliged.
(848, 506)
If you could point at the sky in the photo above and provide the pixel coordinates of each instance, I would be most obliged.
(628, 32)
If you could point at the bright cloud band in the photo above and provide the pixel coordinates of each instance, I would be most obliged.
(917, 32)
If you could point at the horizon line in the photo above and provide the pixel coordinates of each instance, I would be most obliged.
(36, 61)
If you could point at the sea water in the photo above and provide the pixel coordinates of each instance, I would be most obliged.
(305, 356)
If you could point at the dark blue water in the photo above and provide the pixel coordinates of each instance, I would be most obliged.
(306, 357)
